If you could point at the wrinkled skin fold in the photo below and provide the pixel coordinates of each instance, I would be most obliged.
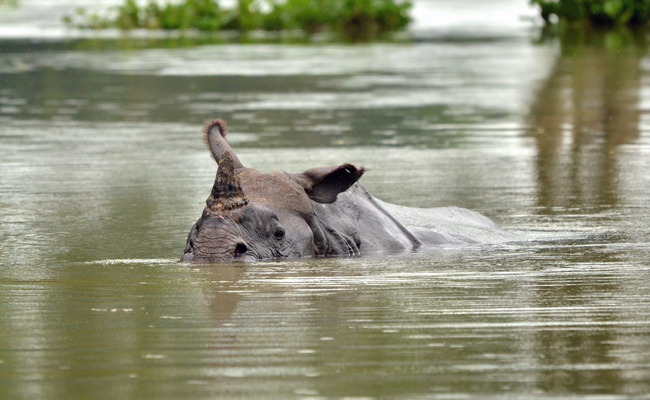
(323, 211)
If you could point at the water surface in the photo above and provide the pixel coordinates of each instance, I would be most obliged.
(102, 173)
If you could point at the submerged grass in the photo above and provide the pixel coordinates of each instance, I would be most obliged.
(355, 18)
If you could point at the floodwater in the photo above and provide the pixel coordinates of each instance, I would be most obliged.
(102, 174)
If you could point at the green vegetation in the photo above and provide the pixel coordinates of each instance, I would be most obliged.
(596, 12)
(358, 18)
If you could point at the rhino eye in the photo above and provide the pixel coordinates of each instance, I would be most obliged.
(279, 233)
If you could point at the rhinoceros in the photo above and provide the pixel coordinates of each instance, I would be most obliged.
(323, 211)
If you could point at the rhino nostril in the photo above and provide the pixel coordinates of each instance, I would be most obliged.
(240, 249)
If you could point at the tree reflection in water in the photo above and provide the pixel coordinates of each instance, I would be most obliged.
(586, 109)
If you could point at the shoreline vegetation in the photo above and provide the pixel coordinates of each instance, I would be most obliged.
(597, 13)
(355, 19)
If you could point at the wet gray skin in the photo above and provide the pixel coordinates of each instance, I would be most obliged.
(321, 212)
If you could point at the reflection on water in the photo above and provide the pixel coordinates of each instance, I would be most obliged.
(581, 121)
(587, 109)
(291, 95)
(102, 172)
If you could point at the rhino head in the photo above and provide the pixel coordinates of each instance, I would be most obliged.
(254, 216)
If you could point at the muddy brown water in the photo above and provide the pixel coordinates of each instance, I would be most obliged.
(102, 173)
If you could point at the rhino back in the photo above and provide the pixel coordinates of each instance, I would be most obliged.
(379, 227)
(450, 225)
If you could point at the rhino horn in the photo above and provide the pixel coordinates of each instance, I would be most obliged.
(227, 193)
(214, 136)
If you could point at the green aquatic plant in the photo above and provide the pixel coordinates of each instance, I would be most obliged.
(382, 15)
(358, 18)
(596, 12)
(204, 15)
(354, 17)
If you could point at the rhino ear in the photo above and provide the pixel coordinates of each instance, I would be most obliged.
(322, 185)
